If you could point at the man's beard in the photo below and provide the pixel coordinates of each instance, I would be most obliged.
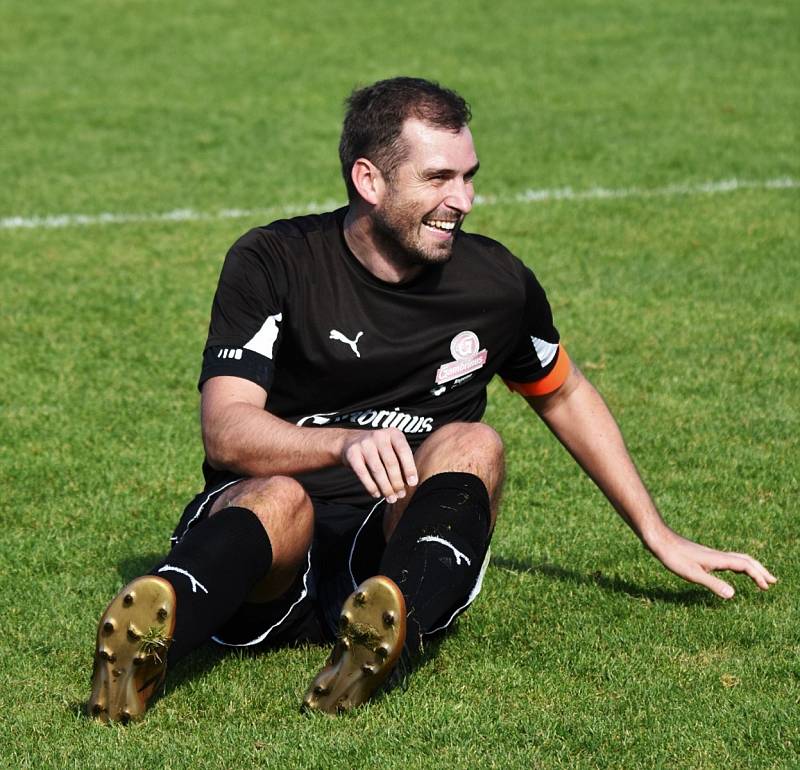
(397, 228)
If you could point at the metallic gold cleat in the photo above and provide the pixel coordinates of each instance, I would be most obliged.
(366, 651)
(130, 660)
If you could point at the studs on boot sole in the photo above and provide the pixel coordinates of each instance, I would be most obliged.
(106, 654)
(389, 618)
(382, 650)
(360, 598)
(133, 634)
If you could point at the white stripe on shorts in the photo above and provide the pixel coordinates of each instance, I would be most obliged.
(200, 509)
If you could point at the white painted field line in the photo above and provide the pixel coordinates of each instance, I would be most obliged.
(526, 196)
(701, 188)
(178, 215)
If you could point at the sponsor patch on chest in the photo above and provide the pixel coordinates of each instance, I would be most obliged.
(467, 357)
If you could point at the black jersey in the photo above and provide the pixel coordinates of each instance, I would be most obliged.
(296, 313)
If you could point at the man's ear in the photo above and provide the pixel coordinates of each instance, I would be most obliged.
(368, 181)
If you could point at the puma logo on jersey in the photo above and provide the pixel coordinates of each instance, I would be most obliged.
(339, 337)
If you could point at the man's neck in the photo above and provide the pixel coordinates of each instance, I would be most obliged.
(366, 248)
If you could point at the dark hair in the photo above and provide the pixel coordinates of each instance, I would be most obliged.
(375, 116)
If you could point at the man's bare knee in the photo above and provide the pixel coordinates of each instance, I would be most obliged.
(476, 438)
(280, 503)
(463, 446)
(255, 494)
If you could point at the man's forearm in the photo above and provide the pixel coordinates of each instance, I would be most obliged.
(239, 435)
(580, 419)
(582, 422)
(248, 440)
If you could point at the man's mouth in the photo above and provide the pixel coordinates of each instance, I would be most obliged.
(443, 225)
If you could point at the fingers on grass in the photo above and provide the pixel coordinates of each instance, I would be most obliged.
(739, 562)
(715, 585)
(735, 562)
(768, 578)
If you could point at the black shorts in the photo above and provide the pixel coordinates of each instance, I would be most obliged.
(346, 549)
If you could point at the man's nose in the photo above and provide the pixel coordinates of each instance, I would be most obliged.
(460, 196)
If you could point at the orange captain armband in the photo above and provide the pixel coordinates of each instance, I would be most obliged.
(553, 380)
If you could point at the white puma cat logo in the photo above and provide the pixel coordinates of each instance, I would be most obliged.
(339, 337)
(459, 556)
(195, 582)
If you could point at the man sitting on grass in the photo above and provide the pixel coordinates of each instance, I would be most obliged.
(351, 489)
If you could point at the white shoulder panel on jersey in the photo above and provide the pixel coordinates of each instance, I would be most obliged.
(263, 340)
(546, 351)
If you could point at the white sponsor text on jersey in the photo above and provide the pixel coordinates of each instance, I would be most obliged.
(373, 418)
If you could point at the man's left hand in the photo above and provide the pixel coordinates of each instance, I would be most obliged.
(695, 563)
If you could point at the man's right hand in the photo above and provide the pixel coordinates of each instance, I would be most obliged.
(382, 460)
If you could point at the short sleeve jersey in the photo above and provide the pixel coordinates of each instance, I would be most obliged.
(333, 345)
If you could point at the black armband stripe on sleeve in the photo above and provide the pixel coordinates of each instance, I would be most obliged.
(237, 362)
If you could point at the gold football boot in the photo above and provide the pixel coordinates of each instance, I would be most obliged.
(130, 660)
(372, 630)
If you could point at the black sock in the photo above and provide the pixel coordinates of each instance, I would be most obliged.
(436, 552)
(213, 569)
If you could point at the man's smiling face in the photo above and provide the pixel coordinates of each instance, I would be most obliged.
(427, 197)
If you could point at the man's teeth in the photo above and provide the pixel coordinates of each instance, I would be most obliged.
(441, 224)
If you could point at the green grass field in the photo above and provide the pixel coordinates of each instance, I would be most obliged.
(681, 304)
